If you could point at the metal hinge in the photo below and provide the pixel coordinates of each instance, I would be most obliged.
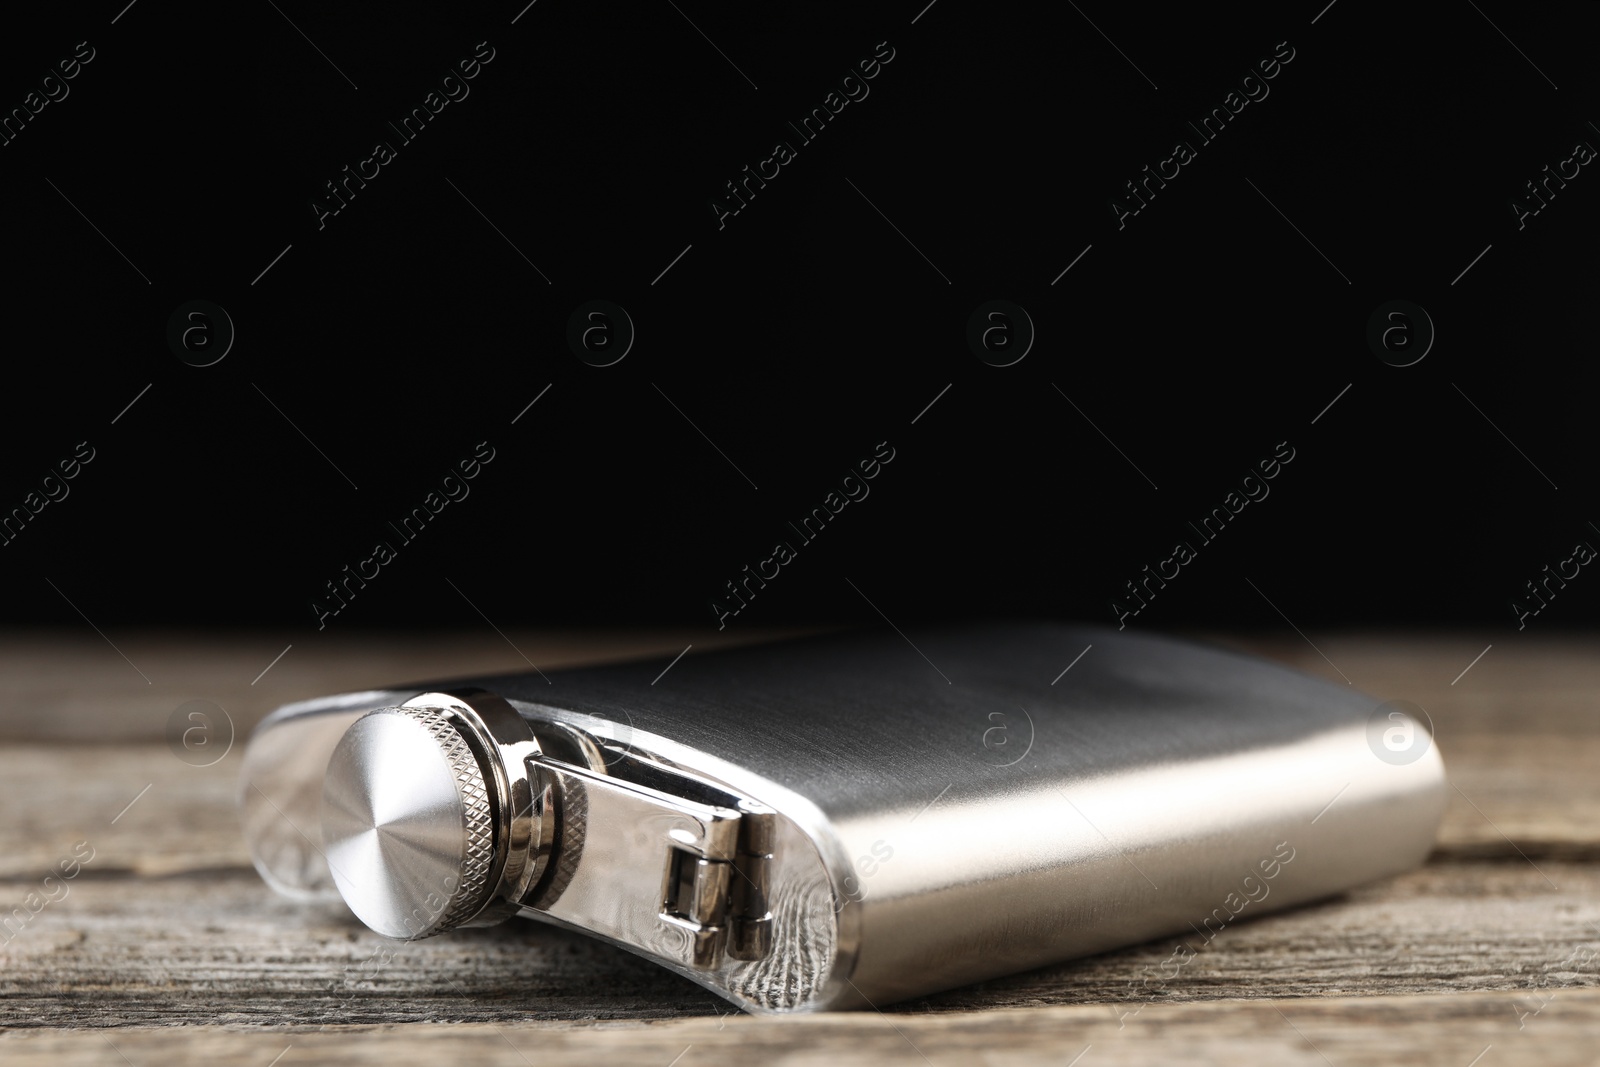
(723, 903)
(658, 859)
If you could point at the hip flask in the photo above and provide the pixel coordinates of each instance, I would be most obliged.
(848, 820)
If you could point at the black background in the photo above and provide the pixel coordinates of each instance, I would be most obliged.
(807, 330)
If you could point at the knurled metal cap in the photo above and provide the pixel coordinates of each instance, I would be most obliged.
(407, 822)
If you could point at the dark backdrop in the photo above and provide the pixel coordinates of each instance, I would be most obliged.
(779, 349)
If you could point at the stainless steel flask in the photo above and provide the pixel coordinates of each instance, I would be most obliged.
(849, 820)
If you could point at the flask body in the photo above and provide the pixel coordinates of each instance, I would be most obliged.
(861, 820)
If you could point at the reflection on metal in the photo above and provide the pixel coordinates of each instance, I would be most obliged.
(825, 823)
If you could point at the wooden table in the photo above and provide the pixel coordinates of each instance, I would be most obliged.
(167, 943)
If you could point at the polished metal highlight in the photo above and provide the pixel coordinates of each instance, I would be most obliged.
(834, 822)
(407, 822)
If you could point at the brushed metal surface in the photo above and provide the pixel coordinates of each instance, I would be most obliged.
(970, 810)
(1157, 775)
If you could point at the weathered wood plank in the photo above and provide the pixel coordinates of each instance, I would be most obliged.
(74, 686)
(1537, 795)
(1447, 1031)
(221, 947)
(167, 925)
(57, 795)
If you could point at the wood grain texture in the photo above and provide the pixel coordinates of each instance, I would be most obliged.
(1426, 1031)
(221, 947)
(169, 927)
